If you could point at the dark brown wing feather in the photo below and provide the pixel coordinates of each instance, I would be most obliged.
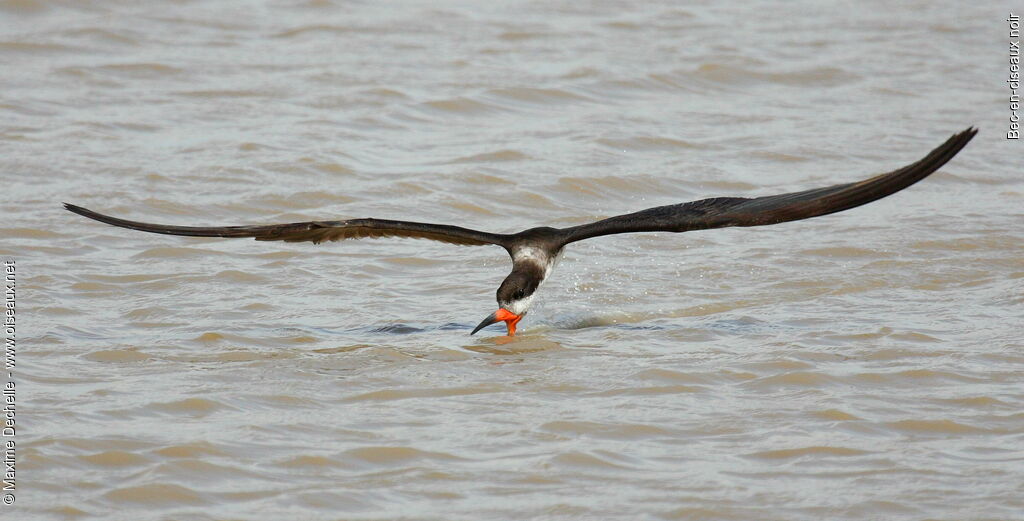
(738, 211)
(314, 231)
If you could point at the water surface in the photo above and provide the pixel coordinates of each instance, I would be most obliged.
(865, 365)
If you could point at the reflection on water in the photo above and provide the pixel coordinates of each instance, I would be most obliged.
(859, 366)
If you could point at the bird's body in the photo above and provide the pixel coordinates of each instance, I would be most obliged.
(535, 251)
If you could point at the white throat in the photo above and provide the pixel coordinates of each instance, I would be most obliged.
(521, 306)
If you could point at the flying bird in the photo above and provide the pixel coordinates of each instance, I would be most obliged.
(534, 251)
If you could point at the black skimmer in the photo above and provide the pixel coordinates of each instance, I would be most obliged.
(534, 251)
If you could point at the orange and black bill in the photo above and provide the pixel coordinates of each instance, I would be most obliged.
(501, 315)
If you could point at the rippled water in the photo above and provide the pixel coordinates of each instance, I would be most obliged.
(865, 365)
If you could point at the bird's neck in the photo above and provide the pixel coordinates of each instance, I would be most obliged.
(543, 259)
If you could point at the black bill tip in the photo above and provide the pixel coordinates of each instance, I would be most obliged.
(492, 318)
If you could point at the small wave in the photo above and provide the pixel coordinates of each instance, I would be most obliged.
(979, 402)
(732, 186)
(459, 106)
(92, 286)
(590, 460)
(795, 379)
(104, 35)
(516, 345)
(325, 29)
(397, 329)
(119, 356)
(395, 455)
(132, 279)
(171, 252)
(491, 157)
(666, 375)
(240, 276)
(225, 93)
(414, 262)
(935, 427)
(310, 462)
(909, 378)
(814, 76)
(655, 390)
(808, 451)
(620, 187)
(835, 415)
(616, 320)
(34, 48)
(779, 156)
(470, 208)
(201, 449)
(516, 36)
(621, 431)
(523, 96)
(28, 233)
(158, 495)
(189, 406)
(842, 252)
(388, 395)
(988, 243)
(29, 7)
(115, 458)
(653, 143)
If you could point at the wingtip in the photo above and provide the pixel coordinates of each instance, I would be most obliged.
(956, 142)
(966, 136)
(74, 208)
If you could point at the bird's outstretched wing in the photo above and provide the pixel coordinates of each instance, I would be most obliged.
(739, 211)
(314, 231)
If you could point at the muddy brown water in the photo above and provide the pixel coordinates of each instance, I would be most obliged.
(865, 365)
